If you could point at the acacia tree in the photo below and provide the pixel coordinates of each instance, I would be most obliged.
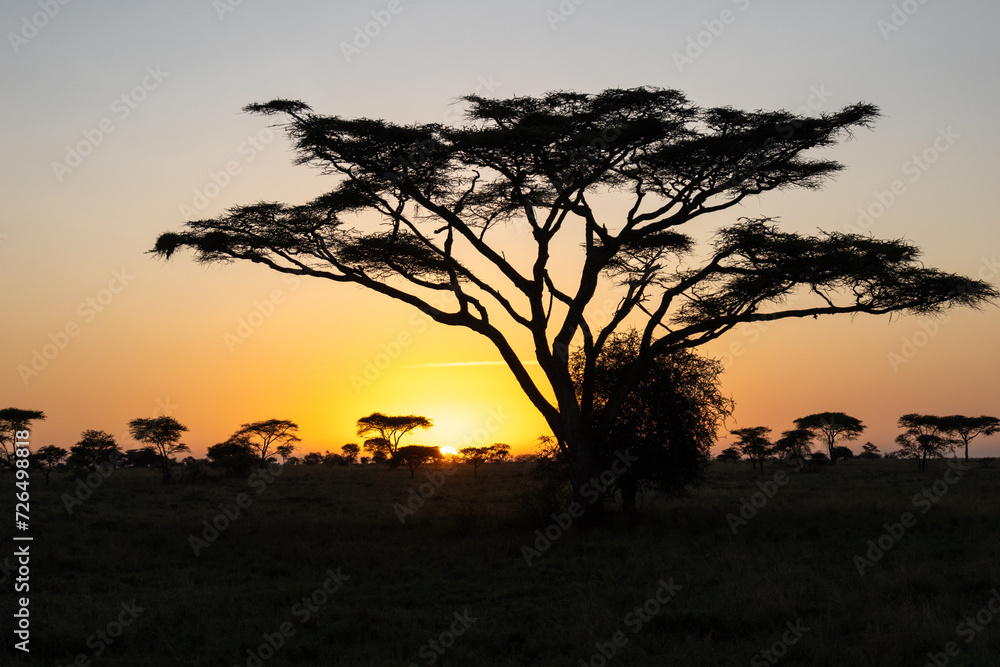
(351, 452)
(13, 420)
(754, 444)
(832, 426)
(795, 442)
(477, 456)
(265, 438)
(389, 430)
(163, 433)
(500, 453)
(925, 437)
(445, 194)
(413, 456)
(47, 458)
(94, 448)
(967, 428)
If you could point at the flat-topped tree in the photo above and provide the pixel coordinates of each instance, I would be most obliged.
(965, 429)
(13, 420)
(831, 427)
(445, 194)
(388, 430)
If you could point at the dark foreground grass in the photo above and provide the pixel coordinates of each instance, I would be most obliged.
(397, 587)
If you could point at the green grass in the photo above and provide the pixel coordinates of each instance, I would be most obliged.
(462, 550)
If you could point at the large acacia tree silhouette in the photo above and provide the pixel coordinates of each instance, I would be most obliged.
(445, 194)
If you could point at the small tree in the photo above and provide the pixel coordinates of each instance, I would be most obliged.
(967, 428)
(163, 433)
(842, 452)
(389, 430)
(93, 449)
(413, 456)
(142, 457)
(47, 458)
(312, 459)
(500, 453)
(729, 454)
(351, 452)
(477, 456)
(266, 437)
(234, 456)
(13, 420)
(870, 451)
(796, 442)
(754, 444)
(831, 426)
(379, 448)
(922, 446)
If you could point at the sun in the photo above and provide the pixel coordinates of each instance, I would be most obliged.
(449, 450)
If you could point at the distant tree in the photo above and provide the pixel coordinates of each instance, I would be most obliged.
(476, 456)
(413, 456)
(333, 459)
(525, 458)
(389, 430)
(47, 458)
(966, 429)
(351, 452)
(842, 452)
(500, 453)
(143, 457)
(93, 449)
(163, 433)
(13, 420)
(869, 451)
(831, 427)
(293, 461)
(312, 458)
(796, 442)
(925, 437)
(365, 460)
(266, 437)
(754, 444)
(235, 456)
(729, 454)
(379, 448)
(285, 451)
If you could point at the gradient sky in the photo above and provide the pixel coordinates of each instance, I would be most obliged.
(118, 114)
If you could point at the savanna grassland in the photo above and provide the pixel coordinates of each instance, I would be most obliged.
(454, 572)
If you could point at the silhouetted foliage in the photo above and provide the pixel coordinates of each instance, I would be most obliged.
(796, 442)
(925, 437)
(831, 427)
(312, 458)
(47, 458)
(445, 194)
(500, 452)
(476, 456)
(235, 456)
(869, 451)
(93, 449)
(754, 444)
(269, 437)
(387, 431)
(351, 452)
(965, 429)
(413, 456)
(143, 457)
(163, 433)
(729, 454)
(13, 420)
(842, 452)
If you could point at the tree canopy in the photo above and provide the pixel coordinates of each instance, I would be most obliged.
(446, 197)
(163, 433)
(831, 427)
(268, 437)
(13, 420)
(388, 431)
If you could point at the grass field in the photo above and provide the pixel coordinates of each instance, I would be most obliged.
(319, 563)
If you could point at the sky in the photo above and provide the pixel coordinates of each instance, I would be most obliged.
(123, 119)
